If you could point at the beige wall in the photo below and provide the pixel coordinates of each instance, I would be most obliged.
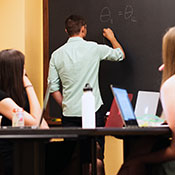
(34, 44)
(12, 26)
(113, 155)
(21, 28)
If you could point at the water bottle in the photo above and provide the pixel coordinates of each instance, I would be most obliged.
(18, 117)
(88, 108)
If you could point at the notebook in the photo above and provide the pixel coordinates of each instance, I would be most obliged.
(125, 107)
(46, 99)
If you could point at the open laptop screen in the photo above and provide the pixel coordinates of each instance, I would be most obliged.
(146, 103)
(124, 106)
(46, 99)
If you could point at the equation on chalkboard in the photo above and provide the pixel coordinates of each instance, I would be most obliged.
(127, 13)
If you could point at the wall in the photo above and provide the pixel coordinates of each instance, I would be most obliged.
(21, 28)
(113, 155)
(34, 44)
(12, 24)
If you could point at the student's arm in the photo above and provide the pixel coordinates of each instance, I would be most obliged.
(108, 33)
(54, 80)
(159, 156)
(35, 109)
(137, 165)
(6, 109)
(58, 97)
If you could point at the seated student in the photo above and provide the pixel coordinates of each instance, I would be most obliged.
(136, 165)
(16, 91)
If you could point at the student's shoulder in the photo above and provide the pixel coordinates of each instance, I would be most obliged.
(57, 52)
(98, 45)
(91, 42)
(169, 84)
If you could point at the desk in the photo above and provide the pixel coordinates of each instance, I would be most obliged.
(35, 139)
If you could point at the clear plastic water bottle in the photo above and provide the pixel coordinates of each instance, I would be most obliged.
(88, 108)
(18, 117)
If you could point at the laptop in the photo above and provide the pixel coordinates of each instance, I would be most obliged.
(46, 99)
(146, 103)
(125, 107)
(113, 116)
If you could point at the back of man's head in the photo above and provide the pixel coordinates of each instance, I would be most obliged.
(73, 24)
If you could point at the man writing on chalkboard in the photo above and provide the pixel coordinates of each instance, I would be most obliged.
(75, 64)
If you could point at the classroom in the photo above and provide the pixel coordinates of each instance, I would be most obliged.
(37, 29)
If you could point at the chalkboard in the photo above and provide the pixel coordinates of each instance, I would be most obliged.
(138, 25)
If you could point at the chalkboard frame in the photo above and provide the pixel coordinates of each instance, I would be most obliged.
(129, 63)
(46, 56)
(45, 43)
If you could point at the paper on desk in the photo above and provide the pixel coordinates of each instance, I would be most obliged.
(150, 120)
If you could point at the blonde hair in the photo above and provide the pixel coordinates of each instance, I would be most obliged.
(168, 54)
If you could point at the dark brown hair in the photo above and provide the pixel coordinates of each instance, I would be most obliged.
(168, 54)
(11, 75)
(73, 24)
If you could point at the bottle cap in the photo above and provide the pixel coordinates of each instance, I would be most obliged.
(18, 110)
(87, 87)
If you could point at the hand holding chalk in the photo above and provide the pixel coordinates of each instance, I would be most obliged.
(108, 33)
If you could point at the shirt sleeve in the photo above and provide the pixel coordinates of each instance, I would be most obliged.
(3, 95)
(53, 76)
(108, 53)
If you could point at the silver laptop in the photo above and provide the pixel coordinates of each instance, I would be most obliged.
(146, 103)
(126, 110)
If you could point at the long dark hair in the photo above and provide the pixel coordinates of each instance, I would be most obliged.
(11, 75)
